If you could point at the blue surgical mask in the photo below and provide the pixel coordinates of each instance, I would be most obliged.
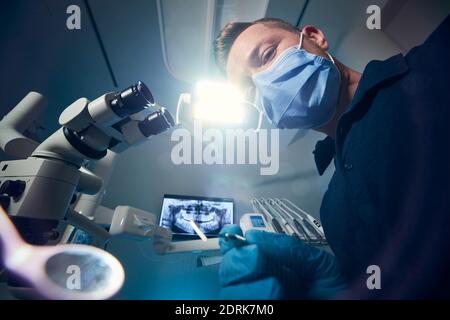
(299, 90)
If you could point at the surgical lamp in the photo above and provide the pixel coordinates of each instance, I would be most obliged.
(216, 102)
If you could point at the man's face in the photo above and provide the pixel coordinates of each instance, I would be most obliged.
(256, 48)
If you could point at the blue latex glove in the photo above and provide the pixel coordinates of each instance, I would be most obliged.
(276, 266)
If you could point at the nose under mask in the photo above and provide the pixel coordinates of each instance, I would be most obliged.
(299, 90)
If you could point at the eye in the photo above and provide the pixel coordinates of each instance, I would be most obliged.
(267, 55)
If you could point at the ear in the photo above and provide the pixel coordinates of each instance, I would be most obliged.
(315, 35)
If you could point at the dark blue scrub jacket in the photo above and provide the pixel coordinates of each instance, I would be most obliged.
(388, 202)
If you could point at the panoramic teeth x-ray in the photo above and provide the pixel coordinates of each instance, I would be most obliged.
(209, 216)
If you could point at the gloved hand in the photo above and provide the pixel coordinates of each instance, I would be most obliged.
(276, 266)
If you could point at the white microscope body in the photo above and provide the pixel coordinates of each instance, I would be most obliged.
(50, 184)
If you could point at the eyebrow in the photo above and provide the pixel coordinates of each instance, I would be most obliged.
(249, 58)
(248, 62)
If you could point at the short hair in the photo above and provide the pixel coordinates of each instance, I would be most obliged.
(232, 30)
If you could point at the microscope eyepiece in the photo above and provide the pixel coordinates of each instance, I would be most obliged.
(132, 100)
(156, 123)
(142, 92)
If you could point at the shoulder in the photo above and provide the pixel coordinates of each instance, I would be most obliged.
(436, 45)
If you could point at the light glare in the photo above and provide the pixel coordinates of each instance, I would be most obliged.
(218, 102)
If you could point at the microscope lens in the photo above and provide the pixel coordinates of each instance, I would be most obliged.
(157, 122)
(145, 93)
(132, 100)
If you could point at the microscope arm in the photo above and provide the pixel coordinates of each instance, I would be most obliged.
(84, 223)
(16, 122)
(87, 204)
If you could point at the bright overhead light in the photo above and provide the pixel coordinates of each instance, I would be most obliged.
(220, 102)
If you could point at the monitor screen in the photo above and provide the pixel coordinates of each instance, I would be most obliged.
(257, 222)
(210, 214)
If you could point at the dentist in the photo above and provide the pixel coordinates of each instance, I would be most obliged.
(388, 133)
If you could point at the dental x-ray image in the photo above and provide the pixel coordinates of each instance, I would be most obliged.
(209, 214)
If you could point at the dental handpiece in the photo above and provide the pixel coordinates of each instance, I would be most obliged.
(296, 225)
(304, 221)
(231, 236)
(285, 224)
(273, 221)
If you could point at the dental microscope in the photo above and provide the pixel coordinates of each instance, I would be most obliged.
(57, 185)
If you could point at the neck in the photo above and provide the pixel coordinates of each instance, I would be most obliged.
(349, 83)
